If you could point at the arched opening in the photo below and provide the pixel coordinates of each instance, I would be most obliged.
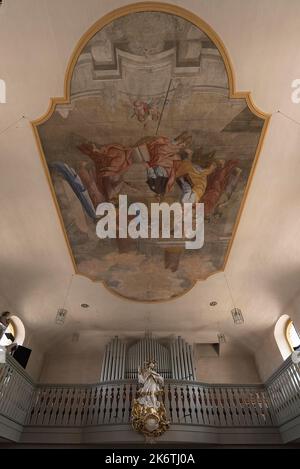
(14, 332)
(2, 91)
(286, 336)
(292, 336)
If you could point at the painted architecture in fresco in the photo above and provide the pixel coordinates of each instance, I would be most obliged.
(150, 117)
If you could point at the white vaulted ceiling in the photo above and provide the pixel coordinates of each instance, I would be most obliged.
(37, 38)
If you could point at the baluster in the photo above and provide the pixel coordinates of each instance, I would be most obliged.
(228, 417)
(84, 405)
(31, 401)
(117, 411)
(18, 400)
(7, 391)
(220, 406)
(130, 399)
(188, 401)
(214, 406)
(31, 413)
(209, 409)
(87, 405)
(104, 405)
(275, 400)
(99, 409)
(238, 416)
(295, 369)
(23, 399)
(81, 403)
(294, 406)
(9, 385)
(12, 388)
(286, 390)
(74, 406)
(174, 403)
(167, 400)
(278, 395)
(49, 406)
(43, 404)
(182, 406)
(202, 406)
(289, 404)
(267, 408)
(15, 398)
(284, 396)
(193, 404)
(53, 405)
(132, 395)
(177, 403)
(245, 406)
(92, 417)
(258, 403)
(61, 407)
(125, 399)
(108, 407)
(254, 407)
(284, 386)
(3, 371)
(68, 403)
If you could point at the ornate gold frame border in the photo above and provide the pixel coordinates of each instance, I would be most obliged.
(189, 16)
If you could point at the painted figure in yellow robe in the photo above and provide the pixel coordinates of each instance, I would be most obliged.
(193, 178)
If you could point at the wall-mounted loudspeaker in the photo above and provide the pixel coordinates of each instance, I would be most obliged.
(21, 355)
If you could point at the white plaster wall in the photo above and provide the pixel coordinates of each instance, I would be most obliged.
(81, 362)
(293, 310)
(72, 368)
(74, 360)
(232, 366)
(267, 356)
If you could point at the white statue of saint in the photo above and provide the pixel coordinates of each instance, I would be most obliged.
(152, 383)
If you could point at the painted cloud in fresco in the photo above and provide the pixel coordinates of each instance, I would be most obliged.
(150, 117)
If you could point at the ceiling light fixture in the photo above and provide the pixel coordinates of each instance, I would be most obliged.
(62, 312)
(213, 303)
(221, 338)
(236, 313)
(61, 316)
(84, 305)
(237, 316)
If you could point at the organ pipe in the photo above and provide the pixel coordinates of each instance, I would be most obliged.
(186, 369)
(175, 360)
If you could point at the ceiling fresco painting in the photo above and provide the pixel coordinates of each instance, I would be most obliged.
(150, 116)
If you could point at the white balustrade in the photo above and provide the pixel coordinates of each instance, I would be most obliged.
(284, 391)
(16, 390)
(186, 402)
